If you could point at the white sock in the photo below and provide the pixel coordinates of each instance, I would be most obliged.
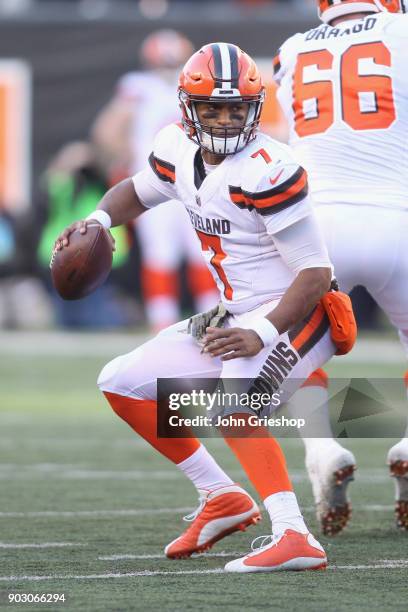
(285, 513)
(203, 471)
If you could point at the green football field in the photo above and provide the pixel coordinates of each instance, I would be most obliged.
(86, 508)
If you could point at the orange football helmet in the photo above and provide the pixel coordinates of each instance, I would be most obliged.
(221, 72)
(330, 9)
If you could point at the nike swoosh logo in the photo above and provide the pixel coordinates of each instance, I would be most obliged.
(276, 179)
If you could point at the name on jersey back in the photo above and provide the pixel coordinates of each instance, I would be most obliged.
(327, 31)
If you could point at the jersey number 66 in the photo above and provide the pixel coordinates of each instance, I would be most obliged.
(367, 101)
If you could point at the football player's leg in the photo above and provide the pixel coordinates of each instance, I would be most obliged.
(397, 460)
(330, 466)
(397, 457)
(161, 256)
(390, 291)
(200, 281)
(129, 384)
(291, 546)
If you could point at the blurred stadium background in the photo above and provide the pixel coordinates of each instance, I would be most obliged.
(78, 504)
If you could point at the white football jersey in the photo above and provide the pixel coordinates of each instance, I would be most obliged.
(235, 210)
(156, 105)
(344, 90)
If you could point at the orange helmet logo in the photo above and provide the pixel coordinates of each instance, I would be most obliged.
(221, 72)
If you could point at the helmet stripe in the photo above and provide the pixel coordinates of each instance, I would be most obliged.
(226, 66)
(226, 70)
(216, 51)
(234, 66)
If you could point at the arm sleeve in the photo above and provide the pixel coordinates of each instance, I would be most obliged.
(301, 245)
(150, 190)
(282, 196)
(156, 183)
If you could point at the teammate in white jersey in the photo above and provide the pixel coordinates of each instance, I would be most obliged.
(144, 102)
(344, 90)
(248, 201)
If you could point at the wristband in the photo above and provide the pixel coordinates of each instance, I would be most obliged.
(265, 330)
(101, 216)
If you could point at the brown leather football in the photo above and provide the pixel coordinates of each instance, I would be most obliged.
(84, 265)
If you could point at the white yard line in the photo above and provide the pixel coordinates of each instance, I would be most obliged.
(60, 471)
(162, 556)
(151, 511)
(361, 508)
(27, 474)
(94, 513)
(396, 564)
(42, 545)
(107, 575)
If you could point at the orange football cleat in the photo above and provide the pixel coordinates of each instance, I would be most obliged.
(220, 513)
(290, 551)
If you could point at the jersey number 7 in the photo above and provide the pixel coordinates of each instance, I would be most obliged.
(366, 95)
(212, 243)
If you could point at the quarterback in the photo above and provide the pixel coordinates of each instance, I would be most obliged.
(248, 202)
(124, 130)
(344, 90)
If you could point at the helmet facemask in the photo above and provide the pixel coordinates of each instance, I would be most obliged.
(219, 140)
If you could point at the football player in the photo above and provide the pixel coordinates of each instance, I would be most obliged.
(248, 201)
(344, 90)
(124, 131)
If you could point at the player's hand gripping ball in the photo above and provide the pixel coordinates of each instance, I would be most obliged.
(82, 259)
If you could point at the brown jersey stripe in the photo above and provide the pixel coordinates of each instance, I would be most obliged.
(238, 197)
(295, 193)
(304, 338)
(164, 170)
(287, 187)
(280, 198)
(275, 208)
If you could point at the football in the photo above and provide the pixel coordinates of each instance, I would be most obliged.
(84, 265)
